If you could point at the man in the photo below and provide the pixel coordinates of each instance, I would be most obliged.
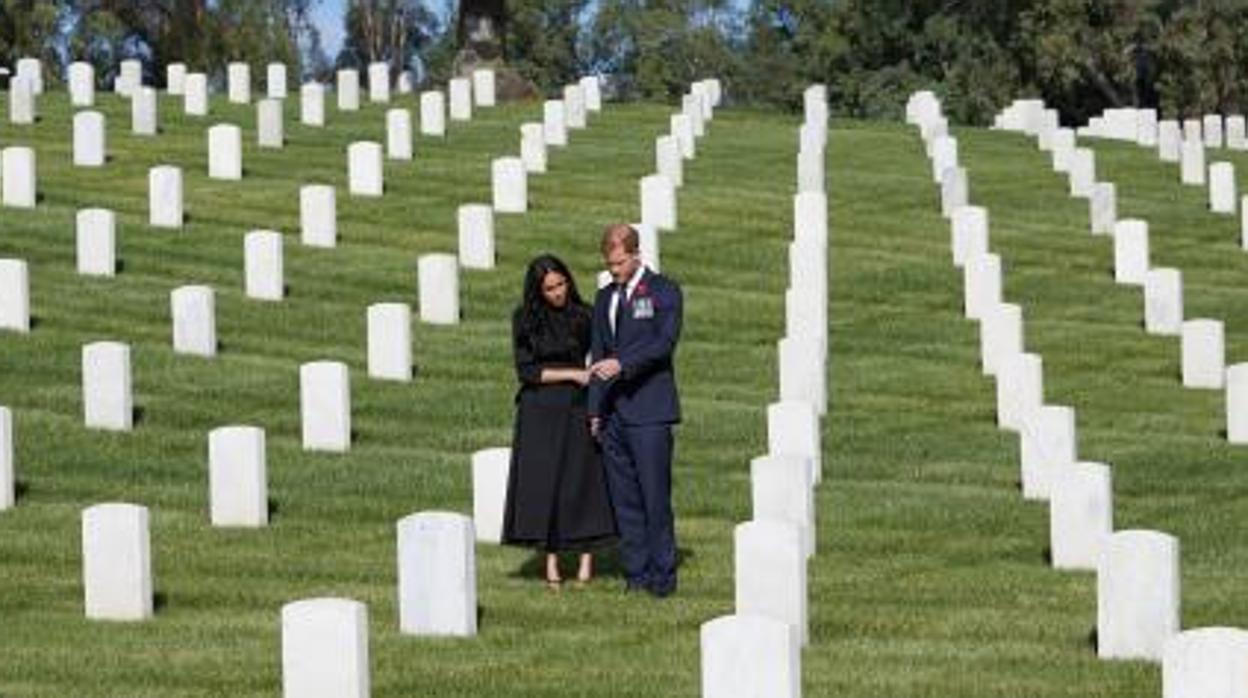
(633, 405)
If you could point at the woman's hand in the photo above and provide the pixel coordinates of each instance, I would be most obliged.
(581, 376)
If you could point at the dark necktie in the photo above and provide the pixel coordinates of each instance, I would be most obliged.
(621, 293)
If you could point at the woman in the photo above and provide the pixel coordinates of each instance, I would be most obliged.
(557, 491)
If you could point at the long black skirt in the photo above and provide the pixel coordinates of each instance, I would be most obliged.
(557, 489)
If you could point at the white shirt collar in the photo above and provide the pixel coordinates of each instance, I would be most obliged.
(634, 280)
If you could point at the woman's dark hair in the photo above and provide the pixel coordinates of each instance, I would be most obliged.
(534, 310)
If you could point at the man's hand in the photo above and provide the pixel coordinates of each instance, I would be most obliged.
(595, 425)
(606, 369)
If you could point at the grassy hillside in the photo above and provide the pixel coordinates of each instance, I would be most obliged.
(930, 579)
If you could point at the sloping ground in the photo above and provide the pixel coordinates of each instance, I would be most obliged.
(931, 577)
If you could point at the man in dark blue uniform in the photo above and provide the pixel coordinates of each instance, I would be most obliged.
(633, 405)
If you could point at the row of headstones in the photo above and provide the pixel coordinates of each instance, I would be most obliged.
(1203, 339)
(1137, 571)
(757, 650)
(179, 81)
(437, 594)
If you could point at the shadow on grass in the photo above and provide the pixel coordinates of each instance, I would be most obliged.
(606, 563)
(20, 490)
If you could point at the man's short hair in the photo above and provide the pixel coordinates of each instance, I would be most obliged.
(621, 235)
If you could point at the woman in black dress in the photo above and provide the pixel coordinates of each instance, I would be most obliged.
(557, 491)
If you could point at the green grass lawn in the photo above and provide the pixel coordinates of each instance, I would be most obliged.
(930, 579)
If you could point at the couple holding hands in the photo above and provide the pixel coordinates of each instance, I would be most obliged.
(592, 451)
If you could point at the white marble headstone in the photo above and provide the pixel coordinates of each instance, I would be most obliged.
(770, 572)
(1237, 403)
(399, 134)
(491, 468)
(1047, 444)
(379, 83)
(275, 80)
(970, 234)
(81, 84)
(459, 93)
(237, 477)
(1063, 147)
(1020, 389)
(19, 177)
(810, 217)
(1205, 663)
(195, 95)
(143, 112)
(348, 91)
(1081, 514)
(1163, 301)
(193, 309)
(312, 104)
(781, 490)
(593, 93)
(1192, 169)
(390, 341)
(106, 395)
(667, 159)
(1169, 141)
(175, 79)
(325, 406)
(1082, 172)
(164, 191)
(265, 277)
(14, 295)
(1204, 354)
(1222, 190)
(681, 126)
(22, 100)
(437, 575)
(433, 113)
(953, 191)
(225, 152)
(803, 368)
(574, 107)
(270, 129)
(1000, 336)
(1213, 130)
(483, 87)
(325, 649)
(239, 83)
(96, 242)
(510, 185)
(533, 147)
(1131, 251)
(8, 492)
(318, 216)
(750, 656)
(793, 430)
(476, 236)
(981, 278)
(1137, 595)
(116, 562)
(1236, 134)
(438, 281)
(364, 169)
(554, 122)
(658, 202)
(1103, 208)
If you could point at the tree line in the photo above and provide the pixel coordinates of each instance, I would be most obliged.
(1185, 57)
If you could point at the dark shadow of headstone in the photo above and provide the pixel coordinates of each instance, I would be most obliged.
(160, 600)
(20, 489)
(1047, 555)
(139, 414)
(274, 508)
(1094, 641)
